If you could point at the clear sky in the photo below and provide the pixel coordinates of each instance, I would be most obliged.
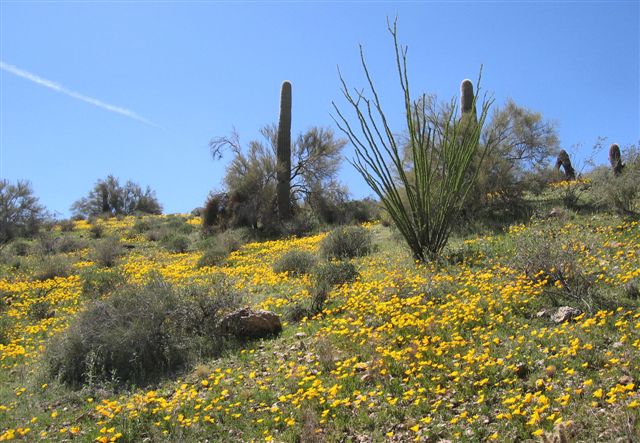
(138, 88)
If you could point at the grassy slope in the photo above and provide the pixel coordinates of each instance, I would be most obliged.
(405, 353)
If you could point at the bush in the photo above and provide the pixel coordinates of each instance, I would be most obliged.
(295, 262)
(107, 252)
(218, 248)
(67, 226)
(140, 334)
(40, 310)
(347, 242)
(109, 198)
(96, 230)
(20, 248)
(99, 282)
(177, 243)
(543, 255)
(68, 243)
(618, 193)
(52, 267)
(334, 273)
(20, 212)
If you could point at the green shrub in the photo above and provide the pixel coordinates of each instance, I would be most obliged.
(213, 256)
(295, 262)
(140, 335)
(97, 282)
(107, 252)
(53, 266)
(67, 225)
(20, 248)
(334, 273)
(621, 193)
(178, 243)
(232, 239)
(68, 243)
(40, 310)
(96, 231)
(543, 255)
(347, 242)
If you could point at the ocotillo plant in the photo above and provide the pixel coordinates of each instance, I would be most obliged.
(615, 159)
(564, 161)
(284, 153)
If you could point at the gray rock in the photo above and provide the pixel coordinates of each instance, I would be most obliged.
(565, 313)
(247, 324)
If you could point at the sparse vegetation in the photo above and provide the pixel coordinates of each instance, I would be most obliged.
(346, 242)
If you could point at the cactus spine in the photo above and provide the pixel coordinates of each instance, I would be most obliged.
(283, 153)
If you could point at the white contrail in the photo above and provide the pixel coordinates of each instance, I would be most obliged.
(57, 87)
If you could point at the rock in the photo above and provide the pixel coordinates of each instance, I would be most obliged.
(565, 313)
(300, 335)
(247, 324)
(625, 380)
(542, 313)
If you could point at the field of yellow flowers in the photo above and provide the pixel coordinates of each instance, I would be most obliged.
(446, 352)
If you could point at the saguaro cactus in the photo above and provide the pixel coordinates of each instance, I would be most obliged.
(467, 106)
(564, 161)
(615, 159)
(284, 153)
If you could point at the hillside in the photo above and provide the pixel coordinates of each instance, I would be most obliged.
(465, 350)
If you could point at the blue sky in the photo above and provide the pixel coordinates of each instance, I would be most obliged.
(146, 85)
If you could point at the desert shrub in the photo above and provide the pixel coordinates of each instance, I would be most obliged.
(618, 193)
(97, 282)
(20, 212)
(218, 248)
(334, 273)
(20, 248)
(155, 235)
(295, 262)
(68, 243)
(140, 335)
(67, 225)
(5, 329)
(347, 242)
(178, 243)
(142, 225)
(107, 252)
(51, 267)
(212, 256)
(543, 254)
(40, 310)
(96, 230)
(109, 198)
(178, 225)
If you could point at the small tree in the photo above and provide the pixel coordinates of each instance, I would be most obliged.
(108, 197)
(20, 212)
(251, 178)
(424, 206)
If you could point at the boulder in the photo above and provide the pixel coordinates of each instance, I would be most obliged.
(247, 324)
(565, 313)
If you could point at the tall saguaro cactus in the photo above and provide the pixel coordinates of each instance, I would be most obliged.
(284, 153)
(564, 161)
(469, 118)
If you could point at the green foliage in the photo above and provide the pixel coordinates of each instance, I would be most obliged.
(295, 262)
(218, 248)
(252, 179)
(107, 252)
(49, 267)
(140, 335)
(20, 212)
(334, 273)
(97, 282)
(110, 198)
(619, 193)
(178, 243)
(346, 242)
(423, 204)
